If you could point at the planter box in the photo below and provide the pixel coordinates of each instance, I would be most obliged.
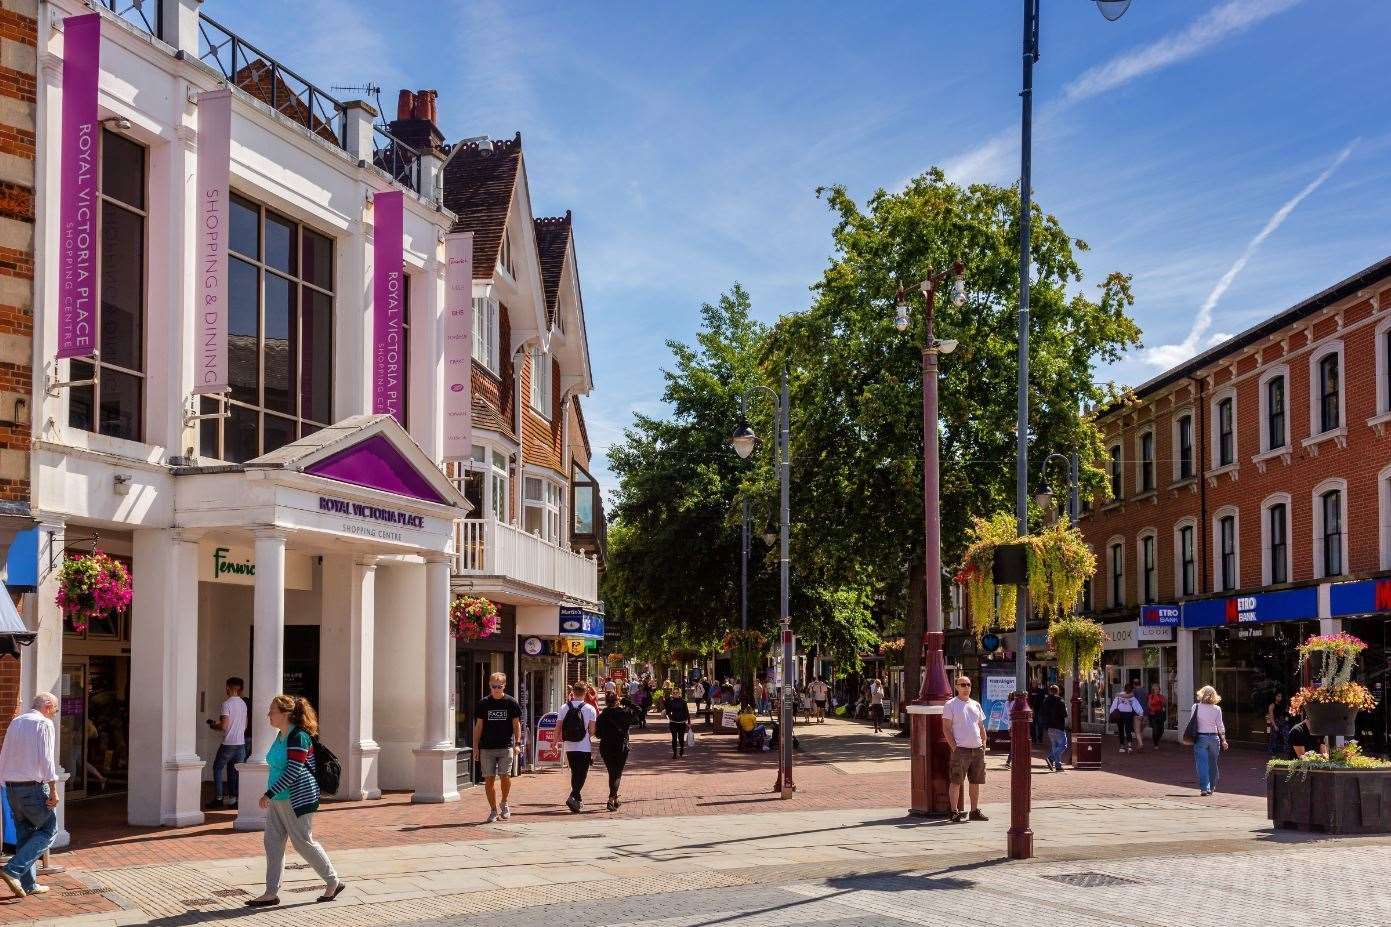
(1335, 801)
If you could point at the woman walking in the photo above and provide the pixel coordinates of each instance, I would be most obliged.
(1211, 738)
(1158, 714)
(612, 730)
(292, 798)
(1277, 725)
(1125, 712)
(679, 720)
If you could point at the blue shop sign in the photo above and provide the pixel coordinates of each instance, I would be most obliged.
(1287, 605)
(1363, 597)
(581, 622)
(1160, 616)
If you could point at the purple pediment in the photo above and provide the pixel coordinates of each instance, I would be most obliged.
(377, 464)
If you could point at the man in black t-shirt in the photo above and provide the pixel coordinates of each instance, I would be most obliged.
(1301, 741)
(497, 732)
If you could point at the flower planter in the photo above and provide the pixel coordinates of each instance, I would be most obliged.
(1334, 801)
(1331, 719)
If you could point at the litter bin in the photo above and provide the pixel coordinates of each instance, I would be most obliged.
(1086, 751)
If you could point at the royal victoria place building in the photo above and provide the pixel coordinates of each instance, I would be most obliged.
(253, 344)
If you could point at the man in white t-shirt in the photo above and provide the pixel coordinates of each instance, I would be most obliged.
(578, 750)
(819, 692)
(231, 752)
(964, 723)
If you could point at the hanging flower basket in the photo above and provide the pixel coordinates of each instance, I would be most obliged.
(89, 586)
(892, 651)
(1059, 562)
(472, 618)
(1079, 638)
(745, 649)
(1333, 704)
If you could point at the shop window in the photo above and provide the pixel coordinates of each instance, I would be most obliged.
(1224, 436)
(1275, 547)
(280, 335)
(1186, 551)
(541, 512)
(1146, 472)
(1228, 564)
(114, 405)
(541, 382)
(1185, 447)
(1115, 454)
(485, 333)
(1330, 529)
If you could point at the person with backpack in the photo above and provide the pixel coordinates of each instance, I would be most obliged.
(679, 720)
(577, 720)
(612, 730)
(292, 797)
(1125, 714)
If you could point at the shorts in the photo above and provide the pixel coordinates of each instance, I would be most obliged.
(876, 712)
(495, 762)
(967, 763)
(821, 704)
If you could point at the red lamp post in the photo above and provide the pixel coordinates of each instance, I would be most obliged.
(929, 750)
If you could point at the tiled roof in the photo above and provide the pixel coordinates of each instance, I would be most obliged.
(552, 241)
(489, 419)
(478, 188)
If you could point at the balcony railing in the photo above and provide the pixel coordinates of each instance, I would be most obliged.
(489, 547)
(395, 157)
(144, 15)
(246, 66)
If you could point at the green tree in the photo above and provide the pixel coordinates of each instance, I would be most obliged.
(857, 388)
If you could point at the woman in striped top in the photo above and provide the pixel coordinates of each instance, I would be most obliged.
(292, 798)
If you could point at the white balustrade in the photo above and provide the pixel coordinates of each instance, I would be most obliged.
(489, 547)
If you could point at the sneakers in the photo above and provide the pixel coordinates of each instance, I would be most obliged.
(492, 816)
(506, 811)
(956, 817)
(573, 804)
(39, 890)
(13, 884)
(977, 816)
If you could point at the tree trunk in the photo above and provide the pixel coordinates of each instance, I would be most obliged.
(913, 637)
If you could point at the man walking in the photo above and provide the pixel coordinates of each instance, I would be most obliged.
(30, 774)
(576, 722)
(497, 732)
(1054, 715)
(231, 752)
(819, 692)
(876, 704)
(965, 729)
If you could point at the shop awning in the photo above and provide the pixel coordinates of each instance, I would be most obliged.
(13, 633)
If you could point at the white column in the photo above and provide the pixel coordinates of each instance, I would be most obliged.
(1327, 623)
(41, 663)
(267, 671)
(436, 761)
(346, 661)
(1186, 684)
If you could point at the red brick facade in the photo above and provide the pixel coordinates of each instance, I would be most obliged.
(1355, 457)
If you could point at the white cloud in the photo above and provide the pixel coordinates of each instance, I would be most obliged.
(1167, 355)
(992, 159)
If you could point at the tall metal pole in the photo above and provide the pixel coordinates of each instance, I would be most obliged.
(788, 683)
(1020, 841)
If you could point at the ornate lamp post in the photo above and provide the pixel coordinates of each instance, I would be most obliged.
(743, 441)
(929, 750)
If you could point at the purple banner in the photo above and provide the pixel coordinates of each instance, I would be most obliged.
(77, 187)
(388, 310)
(214, 167)
(458, 346)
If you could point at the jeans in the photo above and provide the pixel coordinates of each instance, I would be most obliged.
(678, 738)
(1125, 729)
(283, 824)
(1057, 743)
(35, 825)
(614, 759)
(580, 761)
(1206, 751)
(1157, 726)
(227, 759)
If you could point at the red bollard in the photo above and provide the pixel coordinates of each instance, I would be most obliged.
(1020, 841)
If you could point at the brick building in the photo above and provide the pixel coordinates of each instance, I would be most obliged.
(1250, 493)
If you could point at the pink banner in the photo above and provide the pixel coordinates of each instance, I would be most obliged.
(388, 311)
(458, 346)
(214, 167)
(77, 187)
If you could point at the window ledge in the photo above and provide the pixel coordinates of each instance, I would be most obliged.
(1149, 494)
(1284, 453)
(1337, 435)
(1114, 505)
(1233, 468)
(1380, 422)
(1189, 481)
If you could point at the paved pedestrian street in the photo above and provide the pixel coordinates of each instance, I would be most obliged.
(719, 849)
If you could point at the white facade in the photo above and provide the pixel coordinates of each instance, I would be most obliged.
(377, 595)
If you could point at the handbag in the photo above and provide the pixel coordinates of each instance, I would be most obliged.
(1190, 731)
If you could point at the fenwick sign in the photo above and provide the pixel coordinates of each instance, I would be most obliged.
(77, 187)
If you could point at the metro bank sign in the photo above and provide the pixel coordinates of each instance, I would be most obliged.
(1286, 605)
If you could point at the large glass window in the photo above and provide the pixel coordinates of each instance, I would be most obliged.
(1115, 472)
(1329, 410)
(1226, 528)
(1185, 447)
(1147, 461)
(1187, 561)
(1332, 540)
(280, 335)
(1279, 543)
(483, 481)
(1226, 439)
(115, 405)
(1147, 570)
(1275, 413)
(541, 513)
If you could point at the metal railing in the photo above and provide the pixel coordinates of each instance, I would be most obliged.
(492, 548)
(145, 15)
(247, 67)
(395, 157)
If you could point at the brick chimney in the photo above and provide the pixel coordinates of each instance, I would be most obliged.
(416, 111)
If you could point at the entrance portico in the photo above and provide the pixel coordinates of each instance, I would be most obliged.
(337, 534)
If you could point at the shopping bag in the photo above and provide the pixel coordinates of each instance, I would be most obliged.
(690, 738)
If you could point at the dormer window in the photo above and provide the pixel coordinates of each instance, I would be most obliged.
(504, 256)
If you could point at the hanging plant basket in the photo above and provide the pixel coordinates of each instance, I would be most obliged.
(472, 618)
(1333, 704)
(892, 651)
(91, 585)
(1059, 562)
(1079, 638)
(746, 650)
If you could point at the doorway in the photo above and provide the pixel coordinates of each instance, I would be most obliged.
(95, 725)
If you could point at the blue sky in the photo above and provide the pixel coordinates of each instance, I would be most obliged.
(1231, 154)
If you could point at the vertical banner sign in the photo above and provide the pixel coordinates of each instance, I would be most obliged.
(77, 187)
(214, 166)
(387, 310)
(458, 346)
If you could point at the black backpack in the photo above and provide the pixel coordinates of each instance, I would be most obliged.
(327, 770)
(572, 728)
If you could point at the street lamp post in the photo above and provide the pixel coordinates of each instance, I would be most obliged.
(743, 440)
(1020, 842)
(929, 751)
